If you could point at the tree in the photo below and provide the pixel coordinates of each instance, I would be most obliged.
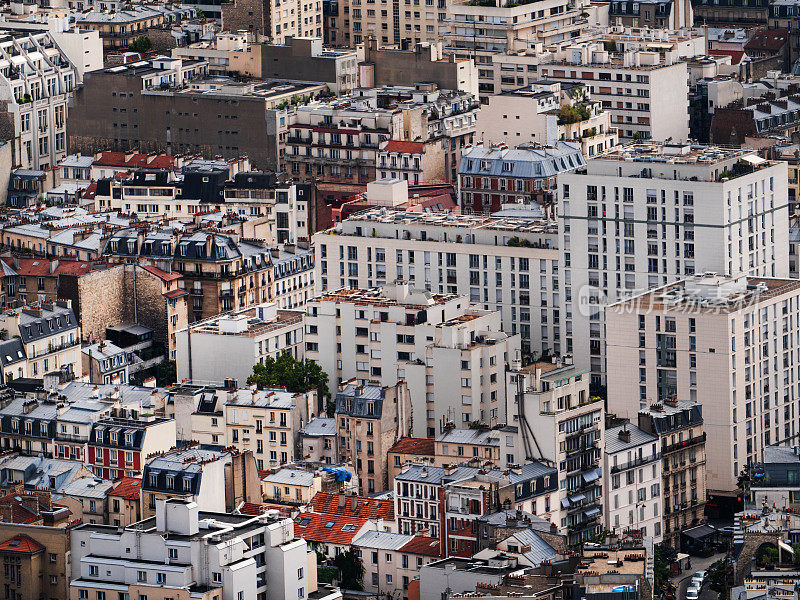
(296, 376)
(664, 556)
(351, 570)
(141, 44)
(166, 373)
(719, 576)
(573, 114)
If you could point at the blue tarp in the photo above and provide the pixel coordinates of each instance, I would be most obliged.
(339, 473)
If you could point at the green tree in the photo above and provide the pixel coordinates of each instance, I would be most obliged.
(767, 555)
(141, 44)
(719, 576)
(573, 114)
(166, 373)
(200, 14)
(663, 557)
(295, 375)
(351, 570)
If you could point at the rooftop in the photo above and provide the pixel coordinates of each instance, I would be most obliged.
(677, 153)
(252, 322)
(614, 443)
(342, 504)
(412, 445)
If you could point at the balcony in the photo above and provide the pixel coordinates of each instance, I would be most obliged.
(636, 462)
(695, 441)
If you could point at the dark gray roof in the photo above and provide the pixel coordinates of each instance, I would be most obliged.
(46, 323)
(638, 437)
(11, 352)
(364, 402)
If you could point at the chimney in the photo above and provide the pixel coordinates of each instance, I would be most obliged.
(354, 502)
(342, 500)
(31, 502)
(625, 435)
(7, 513)
(45, 499)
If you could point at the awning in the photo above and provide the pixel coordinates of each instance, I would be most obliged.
(592, 475)
(564, 503)
(700, 532)
(577, 498)
(592, 512)
(753, 159)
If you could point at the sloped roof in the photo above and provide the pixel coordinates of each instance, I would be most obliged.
(128, 488)
(404, 147)
(422, 544)
(367, 508)
(21, 543)
(161, 274)
(331, 529)
(414, 445)
(770, 40)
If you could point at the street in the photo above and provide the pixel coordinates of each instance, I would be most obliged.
(698, 564)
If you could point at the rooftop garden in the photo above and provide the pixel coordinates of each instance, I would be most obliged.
(573, 114)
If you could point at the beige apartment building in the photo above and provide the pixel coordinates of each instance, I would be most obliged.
(725, 343)
(561, 424)
(679, 427)
(267, 423)
(442, 346)
(371, 418)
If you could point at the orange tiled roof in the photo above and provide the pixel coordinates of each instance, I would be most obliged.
(367, 508)
(21, 543)
(404, 147)
(421, 544)
(161, 274)
(251, 509)
(413, 445)
(128, 488)
(40, 267)
(323, 527)
(136, 161)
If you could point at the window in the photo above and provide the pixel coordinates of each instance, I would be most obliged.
(216, 577)
(300, 573)
(173, 553)
(93, 571)
(141, 576)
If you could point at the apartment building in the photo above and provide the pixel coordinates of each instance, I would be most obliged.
(119, 28)
(491, 176)
(501, 260)
(293, 269)
(274, 22)
(392, 560)
(192, 474)
(632, 481)
(646, 94)
(220, 272)
(37, 551)
(267, 423)
(712, 336)
(370, 420)
(561, 424)
(318, 440)
(350, 24)
(774, 479)
(658, 14)
(291, 486)
(544, 113)
(132, 106)
(340, 139)
(120, 443)
(650, 214)
(489, 32)
(125, 502)
(38, 82)
(183, 550)
(679, 426)
(48, 340)
(390, 333)
(227, 346)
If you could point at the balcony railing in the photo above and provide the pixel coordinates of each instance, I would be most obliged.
(696, 440)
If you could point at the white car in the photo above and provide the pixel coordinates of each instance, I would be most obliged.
(698, 579)
(692, 593)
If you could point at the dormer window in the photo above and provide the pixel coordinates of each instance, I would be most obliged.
(170, 481)
(129, 439)
(187, 484)
(15, 424)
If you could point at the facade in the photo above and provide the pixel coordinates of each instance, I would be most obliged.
(370, 420)
(171, 553)
(49, 337)
(272, 22)
(339, 140)
(105, 362)
(658, 14)
(125, 502)
(392, 560)
(227, 346)
(774, 480)
(679, 427)
(119, 28)
(560, 423)
(267, 423)
(615, 239)
(497, 266)
(291, 486)
(38, 81)
(489, 177)
(632, 481)
(415, 162)
(157, 96)
(544, 113)
(293, 267)
(645, 94)
(394, 332)
(692, 354)
(318, 440)
(120, 444)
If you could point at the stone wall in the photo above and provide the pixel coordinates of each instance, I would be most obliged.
(744, 562)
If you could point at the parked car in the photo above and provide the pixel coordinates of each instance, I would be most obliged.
(699, 578)
(692, 593)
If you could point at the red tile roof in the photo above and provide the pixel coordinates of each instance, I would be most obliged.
(770, 40)
(137, 160)
(323, 527)
(40, 267)
(90, 192)
(404, 147)
(175, 293)
(128, 488)
(21, 513)
(21, 543)
(736, 55)
(161, 274)
(367, 508)
(413, 445)
(421, 544)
